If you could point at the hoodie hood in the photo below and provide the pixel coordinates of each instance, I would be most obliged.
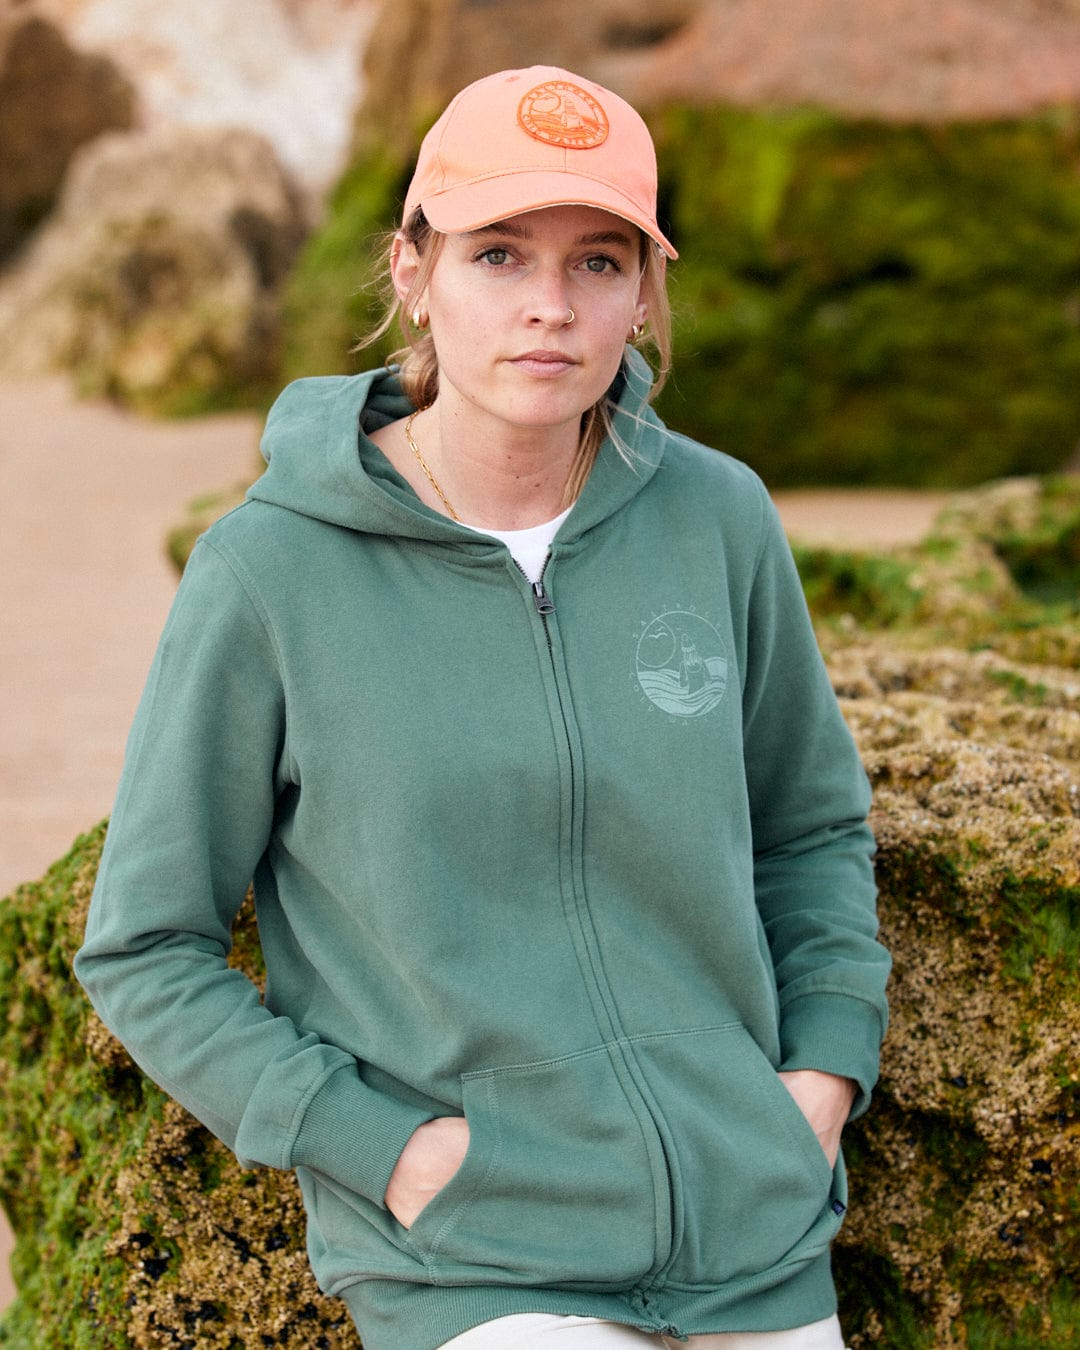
(320, 462)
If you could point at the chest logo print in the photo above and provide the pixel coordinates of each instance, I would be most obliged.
(682, 666)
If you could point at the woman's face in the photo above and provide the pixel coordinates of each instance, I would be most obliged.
(498, 302)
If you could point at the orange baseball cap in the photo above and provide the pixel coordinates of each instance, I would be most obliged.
(525, 139)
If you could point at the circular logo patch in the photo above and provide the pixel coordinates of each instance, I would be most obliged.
(681, 664)
(560, 113)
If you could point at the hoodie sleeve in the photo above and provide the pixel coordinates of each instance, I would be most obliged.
(813, 849)
(192, 818)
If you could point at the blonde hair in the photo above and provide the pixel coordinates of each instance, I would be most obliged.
(419, 362)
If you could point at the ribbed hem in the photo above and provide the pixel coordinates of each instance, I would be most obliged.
(393, 1315)
(354, 1134)
(835, 1034)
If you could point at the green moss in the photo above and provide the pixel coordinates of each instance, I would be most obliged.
(193, 395)
(49, 1134)
(871, 1291)
(1041, 918)
(965, 1210)
(134, 1226)
(957, 1152)
(1054, 1323)
(924, 873)
(201, 514)
(332, 297)
(1000, 570)
(1019, 687)
(1035, 919)
(1044, 559)
(864, 303)
(876, 590)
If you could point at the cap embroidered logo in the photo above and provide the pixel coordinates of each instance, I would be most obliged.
(559, 113)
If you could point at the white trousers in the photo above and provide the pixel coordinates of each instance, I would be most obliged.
(545, 1331)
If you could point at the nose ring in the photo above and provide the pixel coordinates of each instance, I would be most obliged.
(569, 321)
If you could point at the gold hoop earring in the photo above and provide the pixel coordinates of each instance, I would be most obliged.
(636, 330)
(419, 318)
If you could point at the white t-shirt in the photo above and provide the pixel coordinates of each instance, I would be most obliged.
(528, 548)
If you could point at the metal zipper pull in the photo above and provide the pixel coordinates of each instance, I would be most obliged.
(543, 602)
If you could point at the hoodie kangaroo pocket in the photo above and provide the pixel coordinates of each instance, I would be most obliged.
(752, 1182)
(556, 1187)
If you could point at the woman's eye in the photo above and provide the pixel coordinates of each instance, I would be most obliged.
(601, 263)
(495, 256)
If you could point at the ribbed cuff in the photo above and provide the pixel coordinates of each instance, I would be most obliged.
(354, 1134)
(833, 1033)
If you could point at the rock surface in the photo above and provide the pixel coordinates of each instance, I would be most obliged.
(53, 99)
(901, 60)
(964, 1217)
(158, 276)
(906, 60)
(421, 53)
(137, 1229)
(287, 69)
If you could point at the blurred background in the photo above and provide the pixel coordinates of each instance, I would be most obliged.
(877, 207)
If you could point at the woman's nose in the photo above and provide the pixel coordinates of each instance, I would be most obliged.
(563, 319)
(550, 305)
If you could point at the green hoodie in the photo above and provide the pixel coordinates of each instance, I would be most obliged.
(586, 862)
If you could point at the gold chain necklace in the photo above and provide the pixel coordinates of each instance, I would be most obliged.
(430, 476)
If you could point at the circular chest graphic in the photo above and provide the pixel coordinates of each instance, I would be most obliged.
(682, 665)
(560, 113)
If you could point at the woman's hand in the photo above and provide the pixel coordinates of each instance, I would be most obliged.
(433, 1154)
(825, 1100)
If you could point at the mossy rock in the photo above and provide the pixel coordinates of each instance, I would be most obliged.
(957, 667)
(157, 280)
(333, 297)
(1000, 567)
(964, 1227)
(134, 1226)
(864, 303)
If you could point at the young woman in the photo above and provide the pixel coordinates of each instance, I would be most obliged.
(507, 699)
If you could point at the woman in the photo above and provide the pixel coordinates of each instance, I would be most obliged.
(507, 698)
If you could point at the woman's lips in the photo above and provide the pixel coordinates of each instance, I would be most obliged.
(543, 362)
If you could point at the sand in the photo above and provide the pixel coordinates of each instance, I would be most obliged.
(87, 493)
(86, 496)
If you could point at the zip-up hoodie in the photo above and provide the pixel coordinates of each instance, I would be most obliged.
(586, 862)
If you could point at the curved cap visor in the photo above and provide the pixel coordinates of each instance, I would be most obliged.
(459, 210)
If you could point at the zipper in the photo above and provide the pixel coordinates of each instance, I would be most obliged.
(605, 1011)
(543, 602)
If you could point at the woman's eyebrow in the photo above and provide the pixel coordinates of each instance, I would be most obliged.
(521, 231)
(606, 237)
(500, 227)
